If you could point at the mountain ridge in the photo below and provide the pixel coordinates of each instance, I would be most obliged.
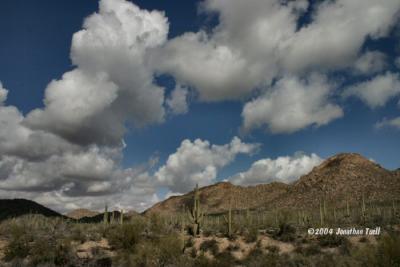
(338, 179)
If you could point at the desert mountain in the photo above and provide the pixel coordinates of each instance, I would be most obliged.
(80, 213)
(343, 177)
(10, 208)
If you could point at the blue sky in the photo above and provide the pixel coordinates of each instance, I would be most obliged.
(239, 71)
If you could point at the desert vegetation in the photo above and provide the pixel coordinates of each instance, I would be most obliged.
(232, 238)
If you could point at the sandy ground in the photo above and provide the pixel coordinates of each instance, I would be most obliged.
(88, 249)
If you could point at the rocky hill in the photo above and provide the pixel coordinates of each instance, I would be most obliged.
(10, 208)
(80, 213)
(341, 178)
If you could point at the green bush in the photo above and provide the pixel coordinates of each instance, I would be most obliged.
(126, 236)
(225, 259)
(331, 240)
(52, 251)
(388, 251)
(18, 246)
(312, 249)
(286, 232)
(251, 235)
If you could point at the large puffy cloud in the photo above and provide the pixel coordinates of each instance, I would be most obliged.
(282, 169)
(239, 55)
(337, 32)
(70, 151)
(377, 91)
(292, 104)
(112, 83)
(257, 40)
(198, 163)
(18, 140)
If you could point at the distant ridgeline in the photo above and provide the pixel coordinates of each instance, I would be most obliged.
(342, 180)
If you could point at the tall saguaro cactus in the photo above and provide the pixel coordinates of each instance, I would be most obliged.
(363, 209)
(105, 218)
(228, 219)
(196, 215)
(321, 214)
(121, 217)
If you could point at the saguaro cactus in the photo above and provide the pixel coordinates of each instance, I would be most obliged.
(121, 217)
(105, 218)
(182, 239)
(112, 217)
(196, 215)
(321, 214)
(363, 209)
(228, 220)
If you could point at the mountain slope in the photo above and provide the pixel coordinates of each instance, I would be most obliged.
(80, 213)
(10, 208)
(217, 197)
(341, 178)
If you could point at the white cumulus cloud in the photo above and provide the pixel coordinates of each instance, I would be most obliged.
(282, 169)
(257, 40)
(292, 104)
(199, 162)
(112, 84)
(376, 91)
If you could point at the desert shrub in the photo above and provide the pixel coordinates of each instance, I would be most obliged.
(388, 251)
(210, 245)
(286, 232)
(257, 258)
(145, 254)
(251, 235)
(193, 252)
(169, 249)
(101, 262)
(331, 240)
(94, 232)
(326, 260)
(163, 251)
(157, 225)
(363, 240)
(125, 236)
(78, 233)
(56, 251)
(18, 246)
(203, 261)
(225, 259)
(273, 249)
(189, 242)
(312, 249)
